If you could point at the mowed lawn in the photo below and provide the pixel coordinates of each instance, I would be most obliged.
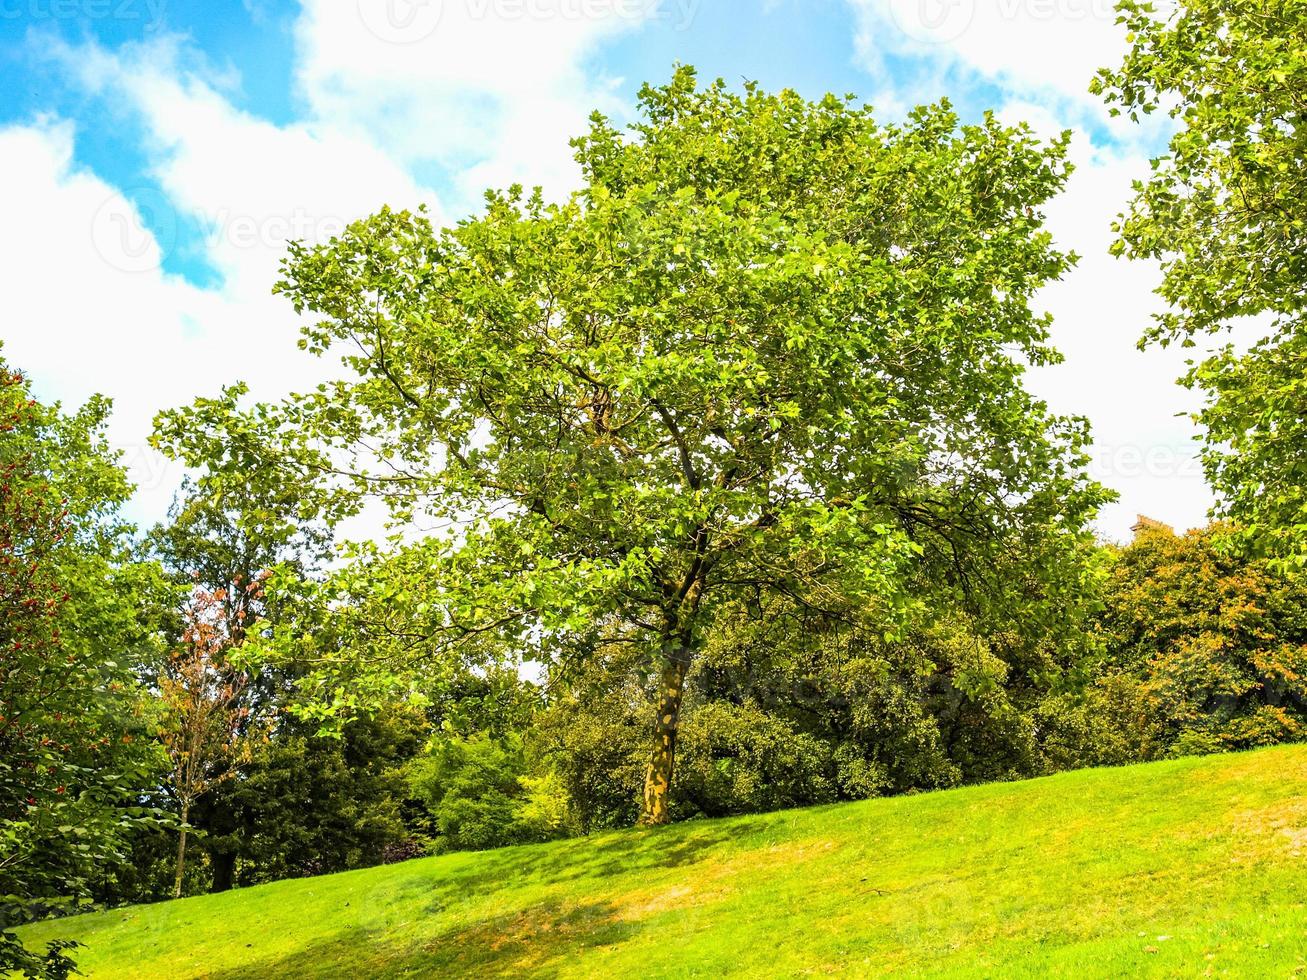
(1184, 868)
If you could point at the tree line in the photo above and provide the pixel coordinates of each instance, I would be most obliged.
(713, 489)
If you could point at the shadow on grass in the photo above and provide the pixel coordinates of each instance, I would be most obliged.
(591, 859)
(535, 938)
(534, 941)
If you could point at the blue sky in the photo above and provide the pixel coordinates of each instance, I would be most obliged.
(157, 154)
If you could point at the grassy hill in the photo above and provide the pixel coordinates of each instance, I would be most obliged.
(1183, 868)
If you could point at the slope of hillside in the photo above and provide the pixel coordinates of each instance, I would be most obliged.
(1183, 868)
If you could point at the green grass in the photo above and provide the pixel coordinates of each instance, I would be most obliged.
(1183, 868)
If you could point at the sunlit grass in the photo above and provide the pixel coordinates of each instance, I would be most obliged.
(1184, 868)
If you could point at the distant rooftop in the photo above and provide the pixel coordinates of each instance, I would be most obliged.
(1148, 524)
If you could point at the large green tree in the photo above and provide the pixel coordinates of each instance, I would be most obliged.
(1225, 212)
(770, 347)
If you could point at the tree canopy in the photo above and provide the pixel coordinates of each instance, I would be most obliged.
(770, 347)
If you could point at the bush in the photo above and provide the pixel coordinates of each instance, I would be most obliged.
(479, 794)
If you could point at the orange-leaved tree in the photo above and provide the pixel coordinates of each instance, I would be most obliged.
(205, 731)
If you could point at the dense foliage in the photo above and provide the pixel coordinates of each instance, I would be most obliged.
(308, 805)
(480, 793)
(74, 623)
(779, 717)
(1204, 651)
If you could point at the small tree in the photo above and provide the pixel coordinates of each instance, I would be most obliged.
(204, 733)
(771, 347)
(221, 547)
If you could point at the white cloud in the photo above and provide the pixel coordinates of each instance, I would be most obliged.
(78, 324)
(249, 184)
(489, 89)
(1048, 45)
(92, 307)
(493, 94)
(1143, 438)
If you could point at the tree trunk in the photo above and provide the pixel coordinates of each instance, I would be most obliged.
(658, 776)
(181, 852)
(224, 870)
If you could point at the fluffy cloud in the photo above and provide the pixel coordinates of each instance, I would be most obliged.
(492, 92)
(249, 185)
(489, 90)
(78, 320)
(1048, 45)
(97, 312)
